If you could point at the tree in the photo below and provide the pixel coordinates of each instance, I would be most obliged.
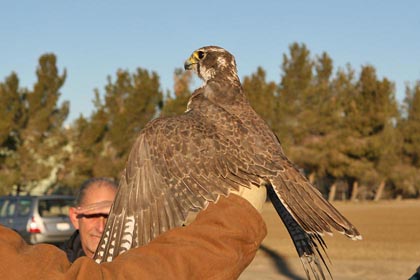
(412, 125)
(317, 118)
(177, 105)
(86, 138)
(263, 96)
(12, 117)
(130, 103)
(369, 116)
(405, 175)
(37, 136)
(43, 136)
(294, 88)
(308, 112)
(101, 143)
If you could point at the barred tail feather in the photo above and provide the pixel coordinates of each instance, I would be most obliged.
(306, 244)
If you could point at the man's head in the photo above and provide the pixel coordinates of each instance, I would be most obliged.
(90, 213)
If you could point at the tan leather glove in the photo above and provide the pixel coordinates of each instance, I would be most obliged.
(255, 195)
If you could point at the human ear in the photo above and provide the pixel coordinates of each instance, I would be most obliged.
(73, 217)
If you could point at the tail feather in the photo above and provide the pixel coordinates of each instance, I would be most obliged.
(307, 205)
(307, 244)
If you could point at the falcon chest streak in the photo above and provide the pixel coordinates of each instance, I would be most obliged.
(219, 144)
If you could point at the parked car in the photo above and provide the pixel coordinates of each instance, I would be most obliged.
(38, 219)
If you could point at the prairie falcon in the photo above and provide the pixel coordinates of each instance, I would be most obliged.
(180, 164)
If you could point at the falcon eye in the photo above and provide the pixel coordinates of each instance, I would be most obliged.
(200, 54)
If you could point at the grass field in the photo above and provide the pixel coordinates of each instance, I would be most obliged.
(390, 248)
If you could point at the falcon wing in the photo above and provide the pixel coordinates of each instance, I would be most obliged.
(176, 165)
(304, 202)
(179, 164)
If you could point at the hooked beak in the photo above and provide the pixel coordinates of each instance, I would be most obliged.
(188, 65)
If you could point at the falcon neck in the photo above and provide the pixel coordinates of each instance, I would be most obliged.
(226, 77)
(223, 95)
(223, 91)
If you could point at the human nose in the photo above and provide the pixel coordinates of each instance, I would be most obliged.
(100, 224)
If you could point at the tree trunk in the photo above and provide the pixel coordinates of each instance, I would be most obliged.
(354, 191)
(379, 191)
(331, 194)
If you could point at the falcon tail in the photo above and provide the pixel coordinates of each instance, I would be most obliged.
(306, 244)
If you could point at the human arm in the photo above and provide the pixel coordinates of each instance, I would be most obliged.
(219, 244)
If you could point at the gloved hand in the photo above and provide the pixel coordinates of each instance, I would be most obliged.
(255, 195)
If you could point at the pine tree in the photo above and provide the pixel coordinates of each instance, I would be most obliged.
(177, 105)
(294, 88)
(12, 118)
(43, 134)
(308, 111)
(39, 139)
(335, 164)
(263, 96)
(101, 143)
(317, 119)
(406, 174)
(412, 125)
(86, 138)
(130, 102)
(370, 112)
(11, 111)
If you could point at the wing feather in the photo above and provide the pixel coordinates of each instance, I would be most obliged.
(180, 164)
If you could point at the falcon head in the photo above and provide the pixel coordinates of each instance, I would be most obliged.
(212, 62)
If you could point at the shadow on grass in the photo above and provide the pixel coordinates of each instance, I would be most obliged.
(281, 265)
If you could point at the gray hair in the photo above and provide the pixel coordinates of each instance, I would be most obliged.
(89, 183)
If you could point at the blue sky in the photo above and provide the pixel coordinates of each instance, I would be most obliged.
(92, 39)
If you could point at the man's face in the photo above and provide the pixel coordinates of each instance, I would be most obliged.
(91, 225)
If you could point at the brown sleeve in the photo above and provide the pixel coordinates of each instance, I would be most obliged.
(219, 244)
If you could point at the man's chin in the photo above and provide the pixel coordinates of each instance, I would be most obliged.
(95, 241)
